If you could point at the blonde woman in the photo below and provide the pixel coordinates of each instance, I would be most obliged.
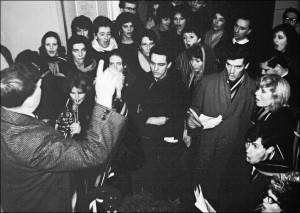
(271, 99)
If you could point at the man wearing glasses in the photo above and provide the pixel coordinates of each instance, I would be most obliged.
(128, 6)
(283, 194)
(132, 7)
(291, 17)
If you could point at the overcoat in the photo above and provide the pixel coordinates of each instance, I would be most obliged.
(215, 148)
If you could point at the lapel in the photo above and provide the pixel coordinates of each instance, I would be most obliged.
(225, 94)
(239, 98)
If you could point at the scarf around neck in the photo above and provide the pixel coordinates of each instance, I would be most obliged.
(144, 62)
(89, 67)
(112, 45)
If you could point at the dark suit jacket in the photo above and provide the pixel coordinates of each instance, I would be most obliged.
(36, 159)
(166, 97)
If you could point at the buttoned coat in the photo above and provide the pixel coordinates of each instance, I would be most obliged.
(36, 159)
(215, 147)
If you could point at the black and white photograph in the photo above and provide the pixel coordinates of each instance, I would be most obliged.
(150, 106)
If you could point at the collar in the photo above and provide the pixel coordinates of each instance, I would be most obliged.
(112, 45)
(144, 62)
(17, 118)
(159, 81)
(253, 169)
(233, 84)
(87, 68)
(285, 74)
(244, 41)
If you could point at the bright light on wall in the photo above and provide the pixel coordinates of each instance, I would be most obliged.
(113, 9)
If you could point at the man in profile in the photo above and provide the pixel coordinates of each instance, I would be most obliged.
(263, 152)
(36, 160)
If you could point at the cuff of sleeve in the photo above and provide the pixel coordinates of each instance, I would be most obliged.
(103, 113)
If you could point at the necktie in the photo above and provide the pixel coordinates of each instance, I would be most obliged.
(234, 88)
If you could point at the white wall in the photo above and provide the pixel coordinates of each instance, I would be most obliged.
(70, 12)
(23, 23)
(280, 6)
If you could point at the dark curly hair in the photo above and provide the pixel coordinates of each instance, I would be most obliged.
(286, 188)
(82, 22)
(78, 39)
(124, 18)
(101, 21)
(291, 36)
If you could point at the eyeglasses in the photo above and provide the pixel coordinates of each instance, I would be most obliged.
(270, 199)
(130, 9)
(290, 19)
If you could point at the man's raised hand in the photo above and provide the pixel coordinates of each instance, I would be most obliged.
(105, 85)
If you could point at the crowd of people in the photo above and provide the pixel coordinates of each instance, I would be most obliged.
(177, 100)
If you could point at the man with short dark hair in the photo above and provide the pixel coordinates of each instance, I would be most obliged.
(263, 151)
(291, 17)
(241, 32)
(223, 103)
(160, 113)
(128, 6)
(36, 160)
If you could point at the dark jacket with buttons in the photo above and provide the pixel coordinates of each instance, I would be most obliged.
(36, 160)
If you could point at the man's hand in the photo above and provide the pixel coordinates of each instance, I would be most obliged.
(210, 122)
(193, 122)
(105, 85)
(201, 203)
(157, 120)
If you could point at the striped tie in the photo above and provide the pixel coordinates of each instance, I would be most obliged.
(235, 87)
